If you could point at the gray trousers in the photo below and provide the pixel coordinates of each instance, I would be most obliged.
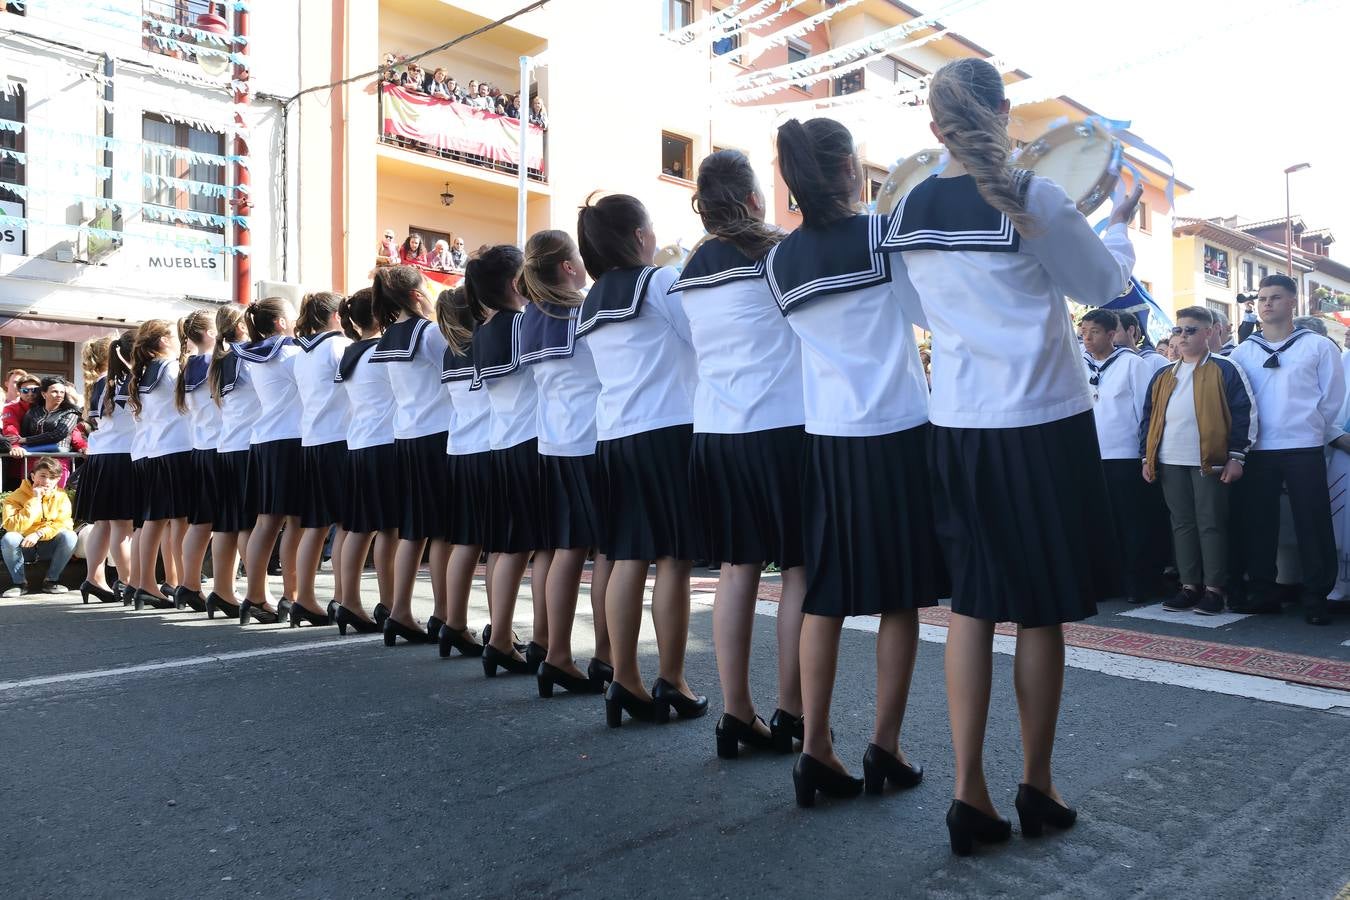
(1198, 505)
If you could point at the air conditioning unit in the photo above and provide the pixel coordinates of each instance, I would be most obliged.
(286, 289)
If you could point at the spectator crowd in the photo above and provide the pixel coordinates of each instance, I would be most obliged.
(441, 85)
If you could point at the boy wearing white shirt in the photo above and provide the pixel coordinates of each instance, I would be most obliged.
(1299, 385)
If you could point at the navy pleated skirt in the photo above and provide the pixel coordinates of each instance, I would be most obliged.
(275, 477)
(513, 508)
(235, 509)
(1021, 517)
(645, 508)
(747, 495)
(868, 540)
(108, 490)
(323, 471)
(570, 517)
(372, 494)
(204, 495)
(469, 478)
(421, 486)
(168, 486)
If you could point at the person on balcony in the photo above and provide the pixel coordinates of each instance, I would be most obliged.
(438, 86)
(484, 99)
(388, 74)
(440, 257)
(412, 252)
(455, 92)
(538, 115)
(458, 257)
(470, 94)
(414, 78)
(386, 252)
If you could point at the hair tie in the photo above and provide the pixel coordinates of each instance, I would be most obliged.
(123, 359)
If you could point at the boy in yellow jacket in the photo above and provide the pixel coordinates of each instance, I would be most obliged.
(37, 522)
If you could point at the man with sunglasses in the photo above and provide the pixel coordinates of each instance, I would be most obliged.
(1299, 384)
(1199, 421)
(11, 423)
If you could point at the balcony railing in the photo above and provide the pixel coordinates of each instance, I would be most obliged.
(170, 27)
(454, 131)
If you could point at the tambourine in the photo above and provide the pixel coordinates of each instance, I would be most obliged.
(1081, 157)
(905, 175)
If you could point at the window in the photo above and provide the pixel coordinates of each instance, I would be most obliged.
(155, 130)
(873, 179)
(892, 71)
(676, 14)
(1143, 218)
(39, 357)
(797, 51)
(1263, 272)
(1216, 265)
(12, 237)
(1217, 306)
(848, 83)
(429, 237)
(677, 156)
(1247, 275)
(163, 22)
(728, 43)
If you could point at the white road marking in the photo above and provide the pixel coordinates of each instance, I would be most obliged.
(1193, 619)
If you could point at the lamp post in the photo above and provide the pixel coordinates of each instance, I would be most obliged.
(214, 64)
(1289, 225)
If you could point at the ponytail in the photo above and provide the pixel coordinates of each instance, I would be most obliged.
(607, 233)
(457, 319)
(541, 278)
(725, 181)
(119, 368)
(821, 169)
(490, 278)
(150, 340)
(966, 96)
(94, 363)
(357, 314)
(262, 317)
(192, 328)
(229, 330)
(316, 311)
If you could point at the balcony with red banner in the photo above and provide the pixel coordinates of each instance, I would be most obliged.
(458, 132)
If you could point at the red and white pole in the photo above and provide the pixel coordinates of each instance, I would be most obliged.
(243, 270)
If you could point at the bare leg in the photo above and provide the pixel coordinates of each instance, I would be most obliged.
(970, 652)
(136, 557)
(790, 640)
(623, 615)
(259, 551)
(459, 569)
(152, 533)
(120, 547)
(540, 566)
(820, 658)
(307, 557)
(564, 583)
(339, 585)
(96, 553)
(897, 645)
(351, 563)
(1038, 676)
(439, 559)
(167, 554)
(178, 529)
(507, 572)
(733, 620)
(407, 560)
(224, 546)
(600, 570)
(386, 550)
(670, 615)
(290, 546)
(195, 542)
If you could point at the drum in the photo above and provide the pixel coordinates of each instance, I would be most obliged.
(1081, 157)
(905, 175)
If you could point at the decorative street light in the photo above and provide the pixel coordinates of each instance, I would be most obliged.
(213, 60)
(447, 197)
(1289, 227)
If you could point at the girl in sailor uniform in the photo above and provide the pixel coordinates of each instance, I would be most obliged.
(274, 457)
(193, 399)
(869, 544)
(413, 350)
(107, 496)
(469, 471)
(564, 373)
(163, 446)
(748, 438)
(513, 505)
(323, 449)
(369, 511)
(233, 512)
(991, 253)
(639, 338)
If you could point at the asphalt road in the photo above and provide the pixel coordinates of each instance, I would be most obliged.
(327, 767)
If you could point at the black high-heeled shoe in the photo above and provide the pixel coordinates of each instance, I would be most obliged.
(380, 613)
(345, 619)
(300, 614)
(600, 673)
(620, 700)
(434, 626)
(251, 610)
(880, 767)
(142, 599)
(966, 825)
(494, 659)
(457, 639)
(186, 597)
(1036, 810)
(535, 654)
(732, 732)
(88, 587)
(284, 608)
(125, 592)
(810, 775)
(667, 697)
(550, 675)
(785, 728)
(394, 629)
(520, 646)
(216, 603)
(169, 590)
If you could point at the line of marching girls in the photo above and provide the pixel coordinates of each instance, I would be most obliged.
(765, 405)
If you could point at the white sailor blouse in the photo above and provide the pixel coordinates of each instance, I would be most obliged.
(861, 374)
(271, 368)
(413, 351)
(238, 403)
(749, 359)
(639, 337)
(470, 410)
(510, 388)
(369, 396)
(1298, 385)
(565, 377)
(115, 431)
(1119, 386)
(325, 407)
(203, 414)
(160, 428)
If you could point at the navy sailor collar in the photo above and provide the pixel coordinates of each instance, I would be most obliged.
(616, 296)
(716, 262)
(96, 397)
(456, 366)
(154, 371)
(265, 350)
(547, 333)
(307, 344)
(351, 356)
(949, 214)
(228, 366)
(1094, 365)
(1273, 352)
(194, 373)
(400, 340)
(816, 262)
(496, 345)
